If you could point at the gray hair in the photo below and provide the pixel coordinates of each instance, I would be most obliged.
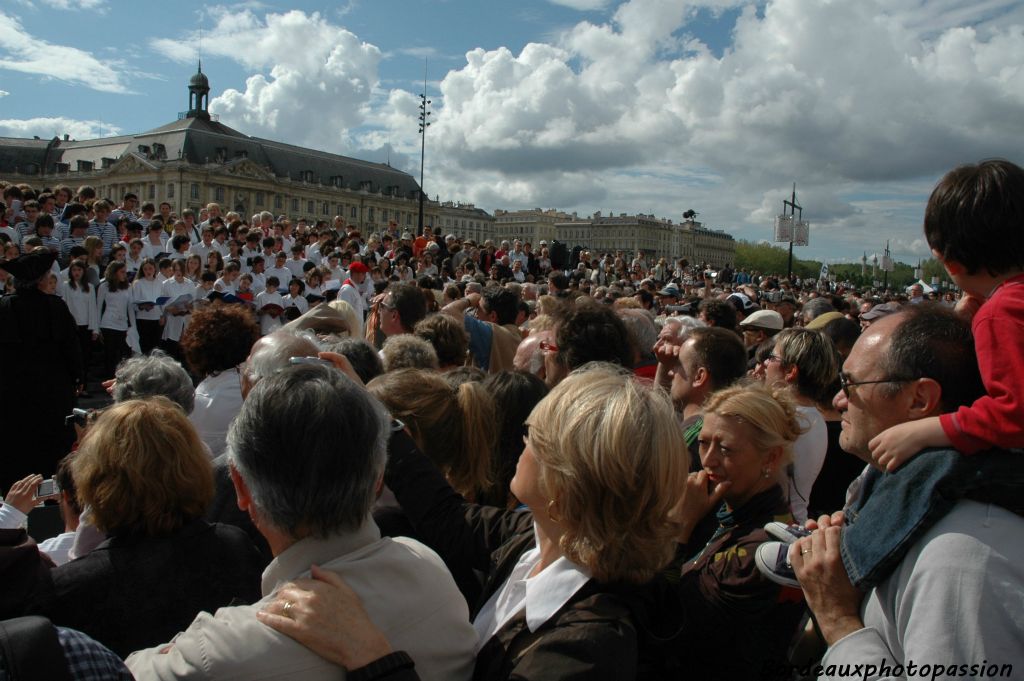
(474, 287)
(310, 445)
(271, 353)
(406, 351)
(815, 307)
(641, 328)
(154, 375)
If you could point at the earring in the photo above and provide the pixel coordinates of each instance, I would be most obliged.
(551, 516)
(766, 473)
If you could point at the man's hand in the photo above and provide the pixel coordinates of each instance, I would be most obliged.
(830, 595)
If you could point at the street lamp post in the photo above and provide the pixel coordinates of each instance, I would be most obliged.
(792, 227)
(424, 124)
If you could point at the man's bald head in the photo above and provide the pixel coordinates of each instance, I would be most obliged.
(271, 353)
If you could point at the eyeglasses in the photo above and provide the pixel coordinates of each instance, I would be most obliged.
(773, 358)
(845, 382)
(548, 347)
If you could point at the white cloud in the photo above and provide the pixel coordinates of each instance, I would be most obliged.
(838, 96)
(4, 93)
(320, 76)
(864, 104)
(20, 51)
(581, 5)
(48, 128)
(75, 4)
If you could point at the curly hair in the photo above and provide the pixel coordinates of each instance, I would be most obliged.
(219, 337)
(593, 333)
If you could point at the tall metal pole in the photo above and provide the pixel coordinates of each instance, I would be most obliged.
(424, 124)
(793, 208)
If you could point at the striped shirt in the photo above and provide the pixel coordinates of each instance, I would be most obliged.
(105, 231)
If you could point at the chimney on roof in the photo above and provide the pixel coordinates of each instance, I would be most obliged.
(67, 137)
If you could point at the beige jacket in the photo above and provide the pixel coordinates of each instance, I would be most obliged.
(404, 586)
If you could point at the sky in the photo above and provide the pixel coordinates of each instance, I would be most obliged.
(642, 106)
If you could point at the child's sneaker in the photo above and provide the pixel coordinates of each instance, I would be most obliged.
(773, 562)
(787, 534)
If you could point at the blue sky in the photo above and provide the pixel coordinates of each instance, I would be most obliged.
(651, 106)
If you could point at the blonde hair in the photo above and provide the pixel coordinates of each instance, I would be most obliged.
(142, 467)
(456, 428)
(610, 453)
(770, 411)
(549, 305)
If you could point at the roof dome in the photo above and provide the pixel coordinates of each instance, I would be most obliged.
(199, 80)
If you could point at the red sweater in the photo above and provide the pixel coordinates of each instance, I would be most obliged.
(996, 419)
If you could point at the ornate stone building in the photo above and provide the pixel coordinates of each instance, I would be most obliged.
(529, 225)
(196, 160)
(465, 221)
(653, 237)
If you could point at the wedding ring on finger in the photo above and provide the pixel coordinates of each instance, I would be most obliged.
(287, 608)
(804, 552)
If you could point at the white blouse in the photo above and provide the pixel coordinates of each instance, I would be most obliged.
(115, 307)
(83, 307)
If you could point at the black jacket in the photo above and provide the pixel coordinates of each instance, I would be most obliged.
(133, 592)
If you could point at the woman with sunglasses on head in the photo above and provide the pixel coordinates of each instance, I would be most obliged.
(804, 362)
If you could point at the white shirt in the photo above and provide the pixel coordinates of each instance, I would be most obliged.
(174, 325)
(295, 266)
(954, 599)
(202, 250)
(83, 307)
(218, 401)
(146, 291)
(283, 274)
(541, 595)
(268, 324)
(808, 457)
(115, 307)
(296, 301)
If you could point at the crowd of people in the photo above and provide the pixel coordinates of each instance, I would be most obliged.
(411, 456)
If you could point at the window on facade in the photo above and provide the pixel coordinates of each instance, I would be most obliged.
(310, 207)
(354, 213)
(408, 218)
(327, 208)
(194, 191)
(259, 198)
(152, 192)
(218, 194)
(369, 214)
(295, 205)
(278, 201)
(383, 214)
(170, 191)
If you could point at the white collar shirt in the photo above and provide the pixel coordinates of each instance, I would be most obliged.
(541, 595)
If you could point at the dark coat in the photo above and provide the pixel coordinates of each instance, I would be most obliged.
(39, 340)
(133, 592)
(605, 631)
(739, 624)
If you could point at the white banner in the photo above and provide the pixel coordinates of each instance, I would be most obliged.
(801, 233)
(783, 228)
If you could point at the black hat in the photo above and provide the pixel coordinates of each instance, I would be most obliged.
(30, 266)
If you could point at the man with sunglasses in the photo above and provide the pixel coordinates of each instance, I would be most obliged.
(945, 593)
